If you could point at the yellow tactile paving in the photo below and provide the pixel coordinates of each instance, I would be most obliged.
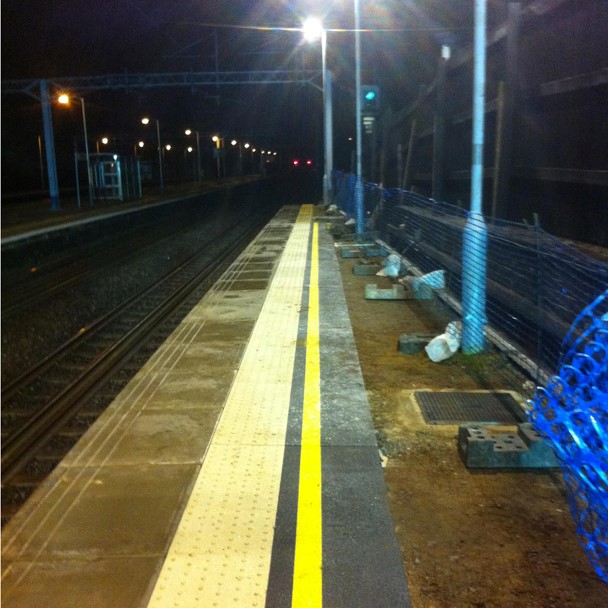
(220, 555)
(35, 534)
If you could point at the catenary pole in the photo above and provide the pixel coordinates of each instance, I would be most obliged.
(49, 144)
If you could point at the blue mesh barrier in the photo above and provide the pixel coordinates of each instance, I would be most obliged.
(536, 284)
(572, 414)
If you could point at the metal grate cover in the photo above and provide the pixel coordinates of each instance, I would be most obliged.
(462, 407)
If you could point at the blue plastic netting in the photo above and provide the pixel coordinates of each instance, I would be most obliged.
(572, 414)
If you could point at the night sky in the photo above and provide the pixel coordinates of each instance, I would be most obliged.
(66, 38)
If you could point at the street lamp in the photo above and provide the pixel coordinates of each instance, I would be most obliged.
(312, 30)
(104, 140)
(198, 153)
(140, 144)
(234, 142)
(145, 121)
(218, 153)
(247, 145)
(65, 100)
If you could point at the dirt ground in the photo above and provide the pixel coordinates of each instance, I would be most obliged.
(469, 538)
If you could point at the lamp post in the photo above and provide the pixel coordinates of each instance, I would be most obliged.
(145, 121)
(188, 151)
(359, 219)
(234, 142)
(104, 141)
(313, 30)
(188, 132)
(218, 151)
(65, 100)
(247, 146)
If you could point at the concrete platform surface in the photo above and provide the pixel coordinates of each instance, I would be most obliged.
(238, 468)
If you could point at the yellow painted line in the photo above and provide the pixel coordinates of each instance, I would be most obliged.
(308, 560)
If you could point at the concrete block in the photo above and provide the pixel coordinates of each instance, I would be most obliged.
(366, 270)
(410, 344)
(396, 292)
(363, 250)
(522, 449)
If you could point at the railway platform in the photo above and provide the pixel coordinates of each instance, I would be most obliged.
(239, 467)
(28, 218)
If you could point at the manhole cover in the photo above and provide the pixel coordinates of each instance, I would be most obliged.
(462, 407)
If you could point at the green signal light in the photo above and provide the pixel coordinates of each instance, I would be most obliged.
(370, 95)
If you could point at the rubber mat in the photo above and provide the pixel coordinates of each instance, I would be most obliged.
(462, 407)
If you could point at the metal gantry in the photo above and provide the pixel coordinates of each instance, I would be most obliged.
(39, 89)
(129, 82)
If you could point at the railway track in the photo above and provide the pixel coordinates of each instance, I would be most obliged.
(27, 287)
(51, 405)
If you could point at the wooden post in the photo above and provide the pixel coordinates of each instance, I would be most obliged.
(503, 163)
(399, 162)
(386, 125)
(439, 133)
(408, 160)
(498, 146)
(373, 141)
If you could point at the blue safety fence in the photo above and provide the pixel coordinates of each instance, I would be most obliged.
(572, 414)
(531, 325)
(536, 285)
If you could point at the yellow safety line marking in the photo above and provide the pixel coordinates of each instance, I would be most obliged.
(308, 560)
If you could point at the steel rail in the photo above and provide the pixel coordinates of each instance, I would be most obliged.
(20, 448)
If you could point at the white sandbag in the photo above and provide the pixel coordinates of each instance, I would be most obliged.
(435, 279)
(453, 333)
(392, 265)
(438, 348)
(445, 345)
(425, 285)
